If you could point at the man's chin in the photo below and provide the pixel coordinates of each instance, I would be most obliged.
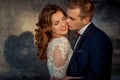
(70, 29)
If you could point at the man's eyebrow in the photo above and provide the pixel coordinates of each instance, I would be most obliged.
(71, 18)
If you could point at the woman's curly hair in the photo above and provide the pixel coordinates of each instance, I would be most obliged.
(43, 32)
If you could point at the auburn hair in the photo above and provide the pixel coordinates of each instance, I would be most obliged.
(43, 32)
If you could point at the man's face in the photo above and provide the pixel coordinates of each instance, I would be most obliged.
(74, 21)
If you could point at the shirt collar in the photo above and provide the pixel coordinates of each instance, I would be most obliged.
(81, 31)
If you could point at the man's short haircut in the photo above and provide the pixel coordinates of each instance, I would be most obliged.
(86, 7)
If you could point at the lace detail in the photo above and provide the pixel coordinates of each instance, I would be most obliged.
(58, 55)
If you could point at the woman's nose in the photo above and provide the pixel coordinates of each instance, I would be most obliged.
(63, 23)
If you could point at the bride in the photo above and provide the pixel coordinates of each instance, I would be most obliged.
(52, 44)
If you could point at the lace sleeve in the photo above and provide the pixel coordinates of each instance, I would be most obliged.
(60, 59)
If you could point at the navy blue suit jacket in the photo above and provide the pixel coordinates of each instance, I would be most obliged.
(92, 57)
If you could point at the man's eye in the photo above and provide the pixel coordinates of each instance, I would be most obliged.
(72, 18)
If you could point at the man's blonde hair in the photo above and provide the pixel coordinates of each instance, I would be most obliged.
(86, 7)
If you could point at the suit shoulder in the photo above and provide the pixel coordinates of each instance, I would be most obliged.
(96, 32)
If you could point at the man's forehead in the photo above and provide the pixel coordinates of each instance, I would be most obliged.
(73, 12)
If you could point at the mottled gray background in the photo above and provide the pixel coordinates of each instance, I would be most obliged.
(18, 60)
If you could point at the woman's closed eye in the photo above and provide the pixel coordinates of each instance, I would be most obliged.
(56, 23)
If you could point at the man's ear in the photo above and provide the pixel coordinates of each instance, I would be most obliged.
(86, 20)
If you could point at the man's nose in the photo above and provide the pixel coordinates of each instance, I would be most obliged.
(67, 20)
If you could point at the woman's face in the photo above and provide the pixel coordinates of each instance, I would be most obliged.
(59, 25)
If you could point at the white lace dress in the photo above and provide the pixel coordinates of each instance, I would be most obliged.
(59, 53)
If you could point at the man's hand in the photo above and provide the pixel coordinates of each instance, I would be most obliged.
(55, 78)
(71, 78)
(64, 78)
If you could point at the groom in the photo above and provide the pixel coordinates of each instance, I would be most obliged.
(92, 56)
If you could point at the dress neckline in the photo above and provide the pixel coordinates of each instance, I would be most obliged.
(57, 38)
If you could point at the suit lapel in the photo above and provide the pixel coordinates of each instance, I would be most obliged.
(87, 32)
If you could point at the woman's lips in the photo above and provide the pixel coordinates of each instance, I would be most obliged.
(63, 29)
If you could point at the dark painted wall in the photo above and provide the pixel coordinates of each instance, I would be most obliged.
(17, 23)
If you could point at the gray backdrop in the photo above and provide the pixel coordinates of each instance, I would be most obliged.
(18, 59)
